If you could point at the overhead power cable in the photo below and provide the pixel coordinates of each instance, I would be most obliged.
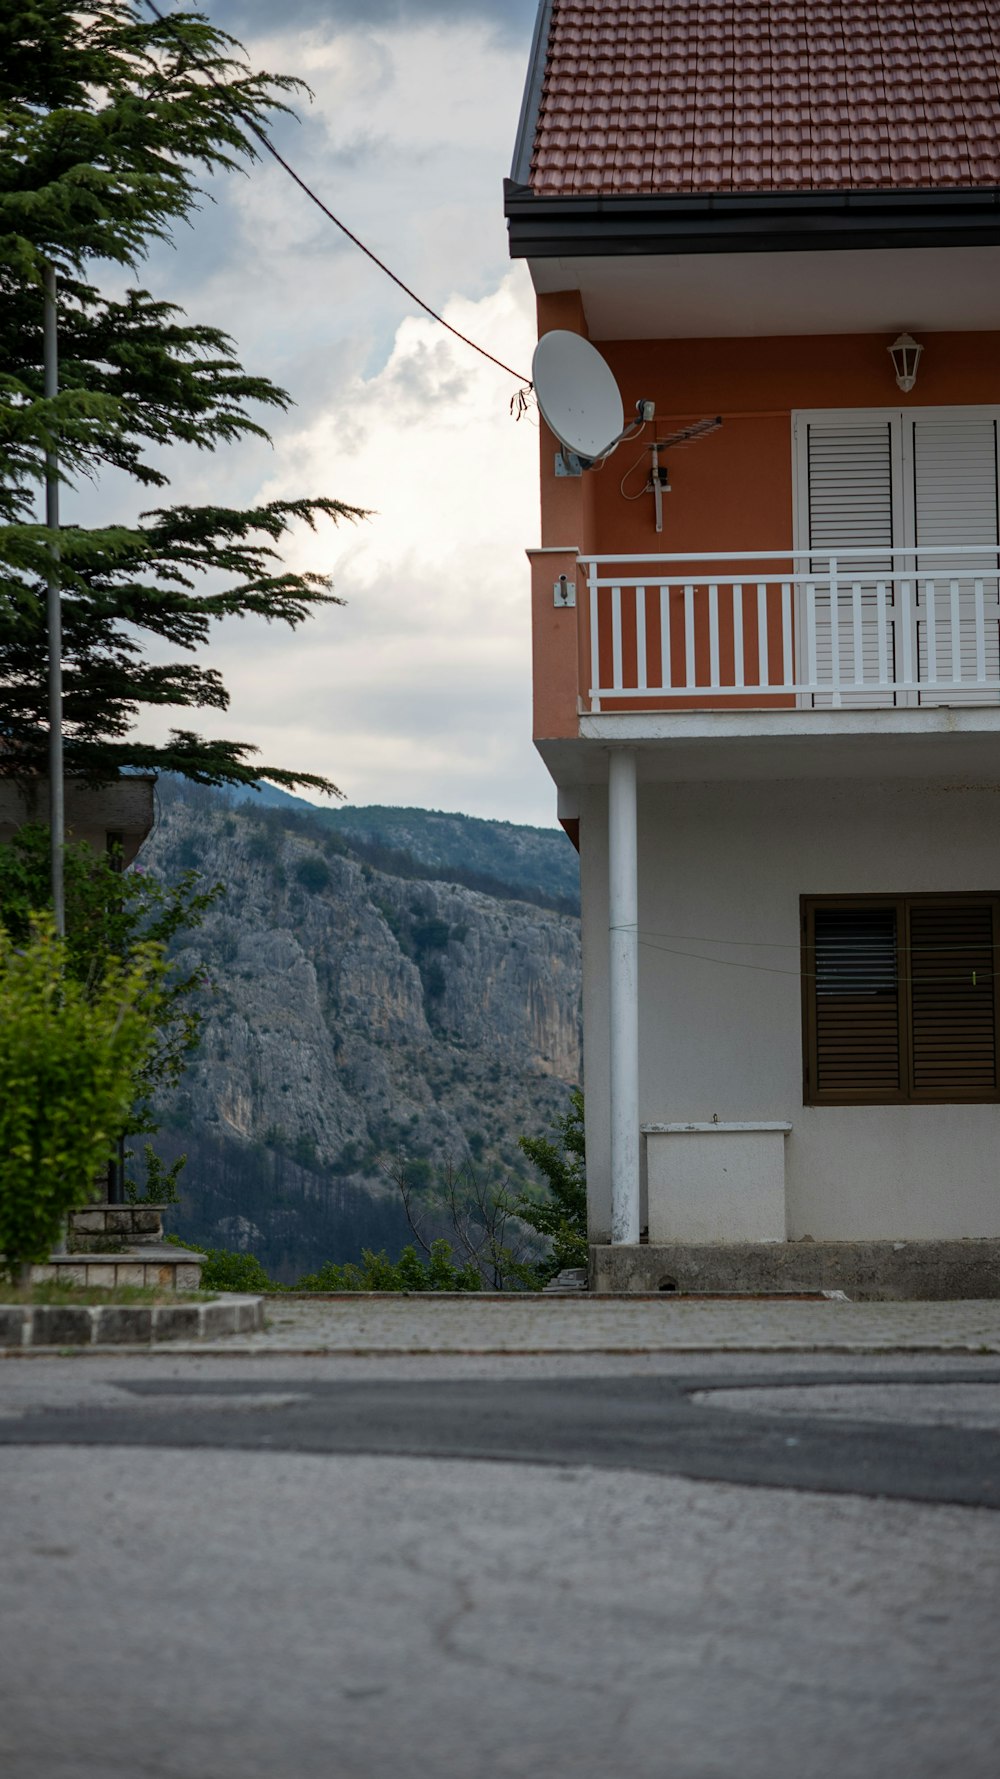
(519, 401)
(735, 963)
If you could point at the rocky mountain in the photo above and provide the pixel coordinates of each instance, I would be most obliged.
(357, 1013)
(498, 857)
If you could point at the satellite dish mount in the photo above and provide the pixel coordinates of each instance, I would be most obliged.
(580, 402)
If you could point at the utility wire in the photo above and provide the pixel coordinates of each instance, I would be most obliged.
(645, 933)
(519, 401)
(732, 963)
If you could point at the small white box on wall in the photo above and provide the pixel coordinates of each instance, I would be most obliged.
(716, 1182)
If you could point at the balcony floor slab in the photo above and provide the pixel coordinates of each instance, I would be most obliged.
(950, 745)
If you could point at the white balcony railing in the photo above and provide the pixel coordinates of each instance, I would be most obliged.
(858, 629)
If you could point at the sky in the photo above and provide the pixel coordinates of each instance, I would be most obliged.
(417, 690)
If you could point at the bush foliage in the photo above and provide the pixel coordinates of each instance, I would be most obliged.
(71, 1056)
(563, 1164)
(377, 1272)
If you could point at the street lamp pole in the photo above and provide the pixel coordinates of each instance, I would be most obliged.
(57, 820)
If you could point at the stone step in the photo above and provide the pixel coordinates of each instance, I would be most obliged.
(571, 1278)
(154, 1263)
(104, 1228)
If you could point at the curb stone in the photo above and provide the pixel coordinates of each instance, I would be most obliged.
(126, 1324)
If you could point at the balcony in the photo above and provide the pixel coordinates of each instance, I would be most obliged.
(796, 630)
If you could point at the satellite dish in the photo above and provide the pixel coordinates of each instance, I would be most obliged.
(577, 394)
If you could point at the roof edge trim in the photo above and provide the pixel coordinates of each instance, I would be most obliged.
(527, 123)
(559, 227)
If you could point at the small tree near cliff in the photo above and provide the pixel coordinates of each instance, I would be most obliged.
(563, 1165)
(113, 918)
(70, 1059)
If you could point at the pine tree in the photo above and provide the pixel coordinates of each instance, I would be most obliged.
(563, 1165)
(107, 120)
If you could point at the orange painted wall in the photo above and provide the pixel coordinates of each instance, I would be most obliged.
(733, 490)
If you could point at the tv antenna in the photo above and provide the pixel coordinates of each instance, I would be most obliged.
(659, 477)
(581, 402)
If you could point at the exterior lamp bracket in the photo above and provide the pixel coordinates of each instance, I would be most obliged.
(905, 354)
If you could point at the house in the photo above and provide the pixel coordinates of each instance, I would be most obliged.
(117, 815)
(767, 653)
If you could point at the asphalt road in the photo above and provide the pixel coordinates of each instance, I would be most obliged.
(714, 1567)
(665, 1425)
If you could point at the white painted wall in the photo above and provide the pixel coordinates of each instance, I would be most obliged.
(721, 870)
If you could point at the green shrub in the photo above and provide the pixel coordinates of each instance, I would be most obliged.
(313, 873)
(409, 1273)
(563, 1217)
(112, 917)
(71, 1055)
(161, 1181)
(225, 1270)
(430, 935)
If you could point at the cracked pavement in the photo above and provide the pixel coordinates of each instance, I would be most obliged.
(671, 1566)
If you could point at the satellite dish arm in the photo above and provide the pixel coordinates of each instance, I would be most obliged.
(645, 412)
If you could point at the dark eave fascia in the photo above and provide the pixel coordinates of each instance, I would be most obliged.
(747, 222)
(527, 125)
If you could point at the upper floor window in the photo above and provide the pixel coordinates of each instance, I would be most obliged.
(923, 482)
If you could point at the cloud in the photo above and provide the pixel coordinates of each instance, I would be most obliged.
(418, 690)
(511, 19)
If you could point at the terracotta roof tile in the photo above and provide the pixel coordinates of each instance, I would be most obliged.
(768, 95)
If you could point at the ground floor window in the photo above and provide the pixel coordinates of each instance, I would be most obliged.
(899, 998)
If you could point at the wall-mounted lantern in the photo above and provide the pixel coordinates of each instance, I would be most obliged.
(905, 355)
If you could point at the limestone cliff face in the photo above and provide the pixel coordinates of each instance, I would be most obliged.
(353, 1016)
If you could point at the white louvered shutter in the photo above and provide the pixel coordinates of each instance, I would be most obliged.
(850, 507)
(955, 503)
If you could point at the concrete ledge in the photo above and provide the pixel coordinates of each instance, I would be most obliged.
(153, 1263)
(126, 1324)
(868, 1271)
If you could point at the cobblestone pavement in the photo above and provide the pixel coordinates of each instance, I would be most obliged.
(609, 1325)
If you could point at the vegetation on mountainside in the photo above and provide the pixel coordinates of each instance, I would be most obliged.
(108, 116)
(484, 1218)
(501, 859)
(368, 1016)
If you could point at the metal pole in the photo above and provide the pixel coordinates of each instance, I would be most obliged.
(57, 821)
(623, 921)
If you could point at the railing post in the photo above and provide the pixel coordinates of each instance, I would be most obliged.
(876, 647)
(595, 636)
(834, 635)
(623, 937)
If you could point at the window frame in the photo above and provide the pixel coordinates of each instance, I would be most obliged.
(904, 1095)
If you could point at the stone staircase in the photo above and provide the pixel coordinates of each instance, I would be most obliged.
(110, 1245)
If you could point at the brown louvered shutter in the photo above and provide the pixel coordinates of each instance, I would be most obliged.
(952, 999)
(856, 1002)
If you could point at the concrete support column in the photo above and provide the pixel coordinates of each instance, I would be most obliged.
(623, 918)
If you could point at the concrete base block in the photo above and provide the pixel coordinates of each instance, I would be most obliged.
(716, 1182)
(107, 1229)
(867, 1271)
(126, 1324)
(152, 1263)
